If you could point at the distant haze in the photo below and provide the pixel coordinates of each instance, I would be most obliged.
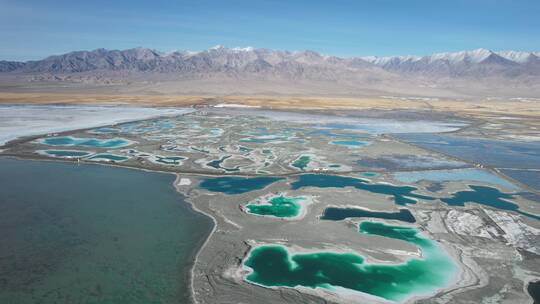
(221, 70)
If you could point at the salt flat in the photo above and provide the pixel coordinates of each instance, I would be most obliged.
(26, 120)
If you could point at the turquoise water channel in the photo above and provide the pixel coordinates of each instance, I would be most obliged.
(402, 194)
(275, 266)
(350, 143)
(86, 142)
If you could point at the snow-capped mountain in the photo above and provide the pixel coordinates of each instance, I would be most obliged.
(479, 62)
(305, 71)
(219, 58)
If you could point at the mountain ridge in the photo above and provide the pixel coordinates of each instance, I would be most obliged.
(146, 54)
(256, 70)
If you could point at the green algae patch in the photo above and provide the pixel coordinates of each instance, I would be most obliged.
(277, 206)
(301, 162)
(275, 266)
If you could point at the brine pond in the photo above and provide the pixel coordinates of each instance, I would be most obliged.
(276, 266)
(94, 234)
(85, 142)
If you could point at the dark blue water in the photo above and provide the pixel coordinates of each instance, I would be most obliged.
(216, 164)
(486, 196)
(534, 290)
(236, 185)
(337, 214)
(402, 195)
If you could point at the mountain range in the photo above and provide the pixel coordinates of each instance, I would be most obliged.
(249, 70)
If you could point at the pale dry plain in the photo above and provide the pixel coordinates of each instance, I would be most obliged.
(474, 107)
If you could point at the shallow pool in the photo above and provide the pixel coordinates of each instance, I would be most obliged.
(349, 143)
(467, 174)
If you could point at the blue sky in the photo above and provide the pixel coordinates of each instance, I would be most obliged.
(33, 29)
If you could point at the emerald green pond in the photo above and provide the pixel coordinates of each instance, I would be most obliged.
(94, 234)
(275, 266)
(278, 206)
(236, 184)
(402, 194)
(301, 162)
(338, 214)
